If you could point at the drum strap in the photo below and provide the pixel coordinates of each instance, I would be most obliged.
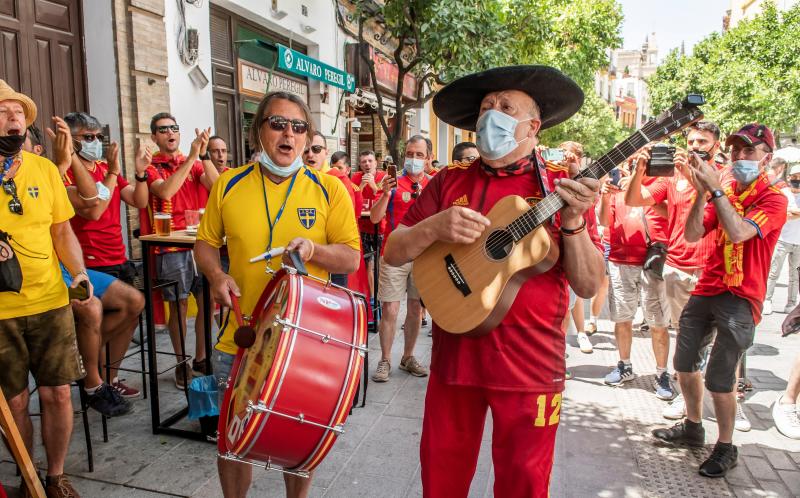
(272, 224)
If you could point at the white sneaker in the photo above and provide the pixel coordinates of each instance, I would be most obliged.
(584, 343)
(767, 309)
(742, 423)
(786, 418)
(676, 410)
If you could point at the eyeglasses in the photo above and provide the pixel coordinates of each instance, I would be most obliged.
(467, 160)
(163, 129)
(278, 123)
(316, 149)
(91, 137)
(10, 188)
(415, 188)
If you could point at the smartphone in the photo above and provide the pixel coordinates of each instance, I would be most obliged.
(81, 292)
(615, 175)
(391, 170)
(106, 131)
(553, 155)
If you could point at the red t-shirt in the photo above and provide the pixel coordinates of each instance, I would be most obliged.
(101, 240)
(192, 194)
(526, 351)
(625, 232)
(680, 194)
(352, 189)
(768, 213)
(368, 197)
(657, 225)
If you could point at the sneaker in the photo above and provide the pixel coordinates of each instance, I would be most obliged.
(584, 343)
(789, 308)
(567, 374)
(644, 327)
(382, 372)
(682, 432)
(199, 368)
(676, 409)
(108, 401)
(722, 459)
(424, 321)
(767, 309)
(60, 487)
(663, 387)
(742, 423)
(620, 375)
(412, 366)
(179, 378)
(786, 418)
(125, 391)
(591, 327)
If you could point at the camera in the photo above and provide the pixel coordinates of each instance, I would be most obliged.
(615, 175)
(661, 161)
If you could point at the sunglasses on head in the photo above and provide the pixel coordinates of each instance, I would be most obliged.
(10, 188)
(316, 149)
(279, 123)
(91, 137)
(415, 187)
(163, 129)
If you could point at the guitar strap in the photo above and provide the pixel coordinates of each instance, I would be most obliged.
(543, 179)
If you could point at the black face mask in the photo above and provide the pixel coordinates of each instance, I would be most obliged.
(10, 145)
(794, 183)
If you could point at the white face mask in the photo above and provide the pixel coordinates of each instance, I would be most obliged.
(495, 134)
(274, 168)
(91, 151)
(414, 166)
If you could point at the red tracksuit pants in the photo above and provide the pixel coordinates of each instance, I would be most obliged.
(524, 429)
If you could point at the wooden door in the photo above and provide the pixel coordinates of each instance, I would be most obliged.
(223, 77)
(42, 54)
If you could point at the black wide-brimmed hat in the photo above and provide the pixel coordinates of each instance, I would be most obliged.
(558, 97)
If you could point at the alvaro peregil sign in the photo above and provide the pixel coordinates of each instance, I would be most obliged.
(254, 80)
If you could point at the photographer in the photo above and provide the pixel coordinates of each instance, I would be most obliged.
(724, 299)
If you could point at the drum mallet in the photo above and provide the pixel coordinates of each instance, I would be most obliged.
(245, 335)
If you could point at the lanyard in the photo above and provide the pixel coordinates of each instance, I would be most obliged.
(270, 222)
(9, 161)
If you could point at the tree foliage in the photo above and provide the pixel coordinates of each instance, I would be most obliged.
(440, 40)
(748, 73)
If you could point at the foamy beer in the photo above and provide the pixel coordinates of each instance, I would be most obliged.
(163, 222)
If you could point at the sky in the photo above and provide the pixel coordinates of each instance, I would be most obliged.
(673, 21)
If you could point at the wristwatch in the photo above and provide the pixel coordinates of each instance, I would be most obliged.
(716, 194)
(142, 178)
(205, 157)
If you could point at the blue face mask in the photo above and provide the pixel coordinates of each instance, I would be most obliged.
(282, 171)
(414, 166)
(744, 171)
(495, 134)
(91, 151)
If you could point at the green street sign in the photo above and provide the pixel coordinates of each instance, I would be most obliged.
(301, 64)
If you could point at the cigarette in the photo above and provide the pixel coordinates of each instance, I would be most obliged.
(267, 255)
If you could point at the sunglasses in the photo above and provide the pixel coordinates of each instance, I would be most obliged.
(91, 137)
(316, 149)
(279, 123)
(467, 159)
(415, 187)
(163, 129)
(10, 188)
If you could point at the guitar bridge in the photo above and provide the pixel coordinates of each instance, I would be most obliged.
(456, 276)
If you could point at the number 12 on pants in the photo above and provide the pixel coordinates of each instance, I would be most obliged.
(548, 410)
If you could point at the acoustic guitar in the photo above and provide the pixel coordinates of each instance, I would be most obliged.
(468, 288)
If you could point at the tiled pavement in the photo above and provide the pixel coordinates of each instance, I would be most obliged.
(603, 447)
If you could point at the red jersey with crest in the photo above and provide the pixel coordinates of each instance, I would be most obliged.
(526, 350)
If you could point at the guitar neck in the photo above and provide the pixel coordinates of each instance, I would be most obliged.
(552, 203)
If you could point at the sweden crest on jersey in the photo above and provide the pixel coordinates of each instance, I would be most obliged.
(308, 216)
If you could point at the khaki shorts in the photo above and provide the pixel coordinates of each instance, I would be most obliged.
(680, 285)
(43, 344)
(626, 285)
(395, 282)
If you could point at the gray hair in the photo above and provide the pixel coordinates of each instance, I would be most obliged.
(420, 138)
(81, 120)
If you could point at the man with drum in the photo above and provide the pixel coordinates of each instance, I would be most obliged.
(275, 202)
(517, 369)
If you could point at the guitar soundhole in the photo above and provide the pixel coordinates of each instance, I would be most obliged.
(499, 245)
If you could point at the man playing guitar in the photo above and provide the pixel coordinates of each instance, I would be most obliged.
(275, 202)
(518, 369)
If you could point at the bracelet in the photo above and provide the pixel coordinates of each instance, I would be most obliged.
(570, 232)
(312, 250)
(80, 272)
(88, 198)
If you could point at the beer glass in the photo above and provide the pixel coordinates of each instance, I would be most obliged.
(163, 222)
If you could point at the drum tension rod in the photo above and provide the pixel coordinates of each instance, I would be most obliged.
(266, 466)
(325, 337)
(261, 407)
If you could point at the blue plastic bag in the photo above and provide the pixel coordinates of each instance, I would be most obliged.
(203, 397)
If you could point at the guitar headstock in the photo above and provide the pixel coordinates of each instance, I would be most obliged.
(676, 118)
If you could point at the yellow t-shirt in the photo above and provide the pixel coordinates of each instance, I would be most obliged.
(44, 203)
(317, 208)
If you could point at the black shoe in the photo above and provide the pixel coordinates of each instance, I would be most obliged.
(722, 459)
(682, 432)
(424, 322)
(108, 401)
(199, 368)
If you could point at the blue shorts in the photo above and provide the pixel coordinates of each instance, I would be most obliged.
(221, 364)
(100, 281)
